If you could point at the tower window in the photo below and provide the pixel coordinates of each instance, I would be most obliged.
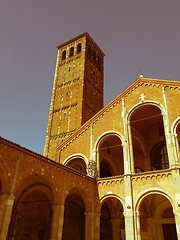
(79, 48)
(64, 55)
(71, 52)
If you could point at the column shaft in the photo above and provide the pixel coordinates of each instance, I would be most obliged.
(6, 207)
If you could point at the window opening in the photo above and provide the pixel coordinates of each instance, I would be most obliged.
(71, 52)
(64, 55)
(79, 48)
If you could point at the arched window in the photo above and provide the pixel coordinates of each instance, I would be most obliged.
(77, 164)
(110, 152)
(79, 48)
(159, 157)
(63, 55)
(71, 52)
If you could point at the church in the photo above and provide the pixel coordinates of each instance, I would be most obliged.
(108, 172)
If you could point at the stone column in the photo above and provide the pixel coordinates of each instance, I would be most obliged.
(138, 226)
(130, 230)
(6, 207)
(177, 219)
(57, 222)
(89, 225)
(176, 207)
(95, 226)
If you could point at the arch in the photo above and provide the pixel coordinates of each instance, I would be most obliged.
(76, 155)
(112, 225)
(109, 154)
(78, 162)
(74, 216)
(155, 103)
(32, 213)
(87, 198)
(175, 125)
(146, 131)
(29, 179)
(155, 216)
(150, 191)
(104, 134)
(105, 197)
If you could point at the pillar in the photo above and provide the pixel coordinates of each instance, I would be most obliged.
(92, 228)
(6, 207)
(176, 207)
(130, 230)
(57, 222)
(89, 225)
(138, 226)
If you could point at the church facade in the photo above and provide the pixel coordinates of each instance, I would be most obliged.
(108, 173)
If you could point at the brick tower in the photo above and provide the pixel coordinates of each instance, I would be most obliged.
(77, 93)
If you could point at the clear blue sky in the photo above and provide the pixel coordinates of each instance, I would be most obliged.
(134, 35)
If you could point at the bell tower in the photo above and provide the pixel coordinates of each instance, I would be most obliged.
(78, 89)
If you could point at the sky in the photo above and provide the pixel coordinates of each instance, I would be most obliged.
(137, 36)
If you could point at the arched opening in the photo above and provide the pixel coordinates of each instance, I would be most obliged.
(74, 218)
(156, 218)
(147, 131)
(32, 214)
(63, 55)
(77, 164)
(79, 48)
(112, 220)
(110, 152)
(71, 52)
